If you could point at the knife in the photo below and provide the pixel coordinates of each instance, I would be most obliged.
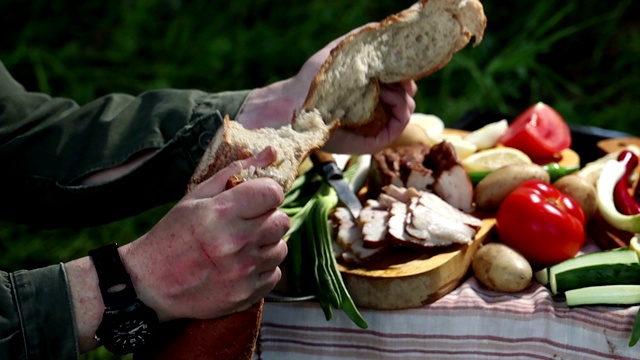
(325, 164)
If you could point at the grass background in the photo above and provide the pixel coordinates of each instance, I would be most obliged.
(579, 57)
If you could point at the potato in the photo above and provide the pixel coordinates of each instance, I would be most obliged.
(581, 190)
(491, 190)
(501, 268)
(413, 134)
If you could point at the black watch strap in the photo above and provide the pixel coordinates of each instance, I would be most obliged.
(114, 280)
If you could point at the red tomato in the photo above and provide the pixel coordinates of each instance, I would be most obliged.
(539, 131)
(542, 223)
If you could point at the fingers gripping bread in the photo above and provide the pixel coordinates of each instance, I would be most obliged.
(292, 143)
(406, 46)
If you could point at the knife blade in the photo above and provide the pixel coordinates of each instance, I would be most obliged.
(325, 164)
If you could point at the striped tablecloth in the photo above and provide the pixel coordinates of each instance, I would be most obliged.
(469, 323)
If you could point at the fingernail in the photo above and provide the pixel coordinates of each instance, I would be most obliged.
(265, 154)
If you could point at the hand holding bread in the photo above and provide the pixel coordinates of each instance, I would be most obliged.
(345, 93)
(217, 250)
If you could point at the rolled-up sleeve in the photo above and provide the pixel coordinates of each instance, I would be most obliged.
(36, 316)
(48, 144)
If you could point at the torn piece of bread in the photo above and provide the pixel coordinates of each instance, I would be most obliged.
(292, 144)
(406, 46)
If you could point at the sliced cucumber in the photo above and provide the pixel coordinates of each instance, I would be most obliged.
(604, 295)
(602, 259)
(542, 276)
(598, 275)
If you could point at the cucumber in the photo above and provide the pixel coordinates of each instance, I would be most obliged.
(597, 275)
(604, 295)
(542, 276)
(599, 260)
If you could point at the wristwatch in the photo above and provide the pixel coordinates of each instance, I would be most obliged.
(127, 323)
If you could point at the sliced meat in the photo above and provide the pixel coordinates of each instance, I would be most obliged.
(402, 167)
(456, 188)
(416, 232)
(338, 250)
(452, 183)
(442, 229)
(349, 236)
(348, 232)
(373, 220)
(397, 227)
(386, 200)
(401, 194)
(384, 169)
(398, 193)
(429, 221)
(413, 173)
(438, 205)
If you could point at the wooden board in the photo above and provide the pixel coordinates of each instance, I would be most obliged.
(408, 279)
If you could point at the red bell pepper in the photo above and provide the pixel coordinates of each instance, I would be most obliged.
(625, 203)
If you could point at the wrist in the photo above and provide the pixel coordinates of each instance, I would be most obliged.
(127, 324)
(141, 270)
(86, 300)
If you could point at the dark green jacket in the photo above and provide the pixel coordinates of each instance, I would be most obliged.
(47, 145)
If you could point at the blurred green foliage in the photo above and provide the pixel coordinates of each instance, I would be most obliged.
(579, 57)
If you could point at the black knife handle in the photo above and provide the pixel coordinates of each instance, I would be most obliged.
(326, 164)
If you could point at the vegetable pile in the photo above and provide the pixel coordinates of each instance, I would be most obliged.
(542, 210)
(542, 213)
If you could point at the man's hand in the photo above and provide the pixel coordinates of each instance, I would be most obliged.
(217, 251)
(398, 98)
(275, 105)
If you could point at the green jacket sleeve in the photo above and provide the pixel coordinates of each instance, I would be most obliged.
(47, 144)
(36, 317)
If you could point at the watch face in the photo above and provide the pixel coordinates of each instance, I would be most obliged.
(127, 330)
(131, 333)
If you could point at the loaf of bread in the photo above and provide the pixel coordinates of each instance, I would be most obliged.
(409, 45)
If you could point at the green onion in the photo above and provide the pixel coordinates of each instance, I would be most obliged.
(309, 203)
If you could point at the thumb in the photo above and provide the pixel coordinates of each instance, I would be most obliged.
(231, 175)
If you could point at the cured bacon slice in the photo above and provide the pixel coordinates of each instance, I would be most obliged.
(349, 236)
(373, 220)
